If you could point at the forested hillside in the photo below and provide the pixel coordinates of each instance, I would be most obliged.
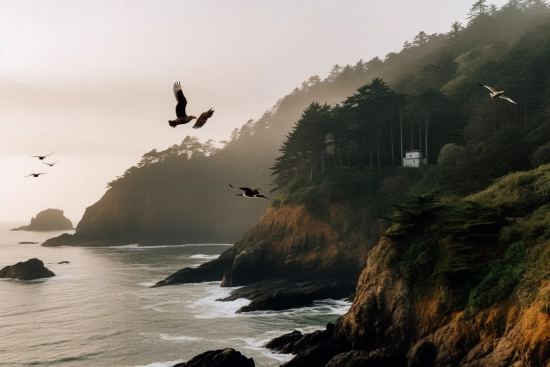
(350, 129)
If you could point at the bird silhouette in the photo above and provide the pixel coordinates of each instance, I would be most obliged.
(250, 193)
(182, 117)
(497, 94)
(50, 164)
(37, 174)
(41, 157)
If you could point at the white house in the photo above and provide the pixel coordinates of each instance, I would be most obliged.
(413, 158)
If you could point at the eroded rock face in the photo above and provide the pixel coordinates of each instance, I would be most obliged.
(48, 220)
(28, 270)
(288, 243)
(282, 294)
(219, 358)
(389, 325)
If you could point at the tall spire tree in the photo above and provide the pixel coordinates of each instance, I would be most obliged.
(478, 9)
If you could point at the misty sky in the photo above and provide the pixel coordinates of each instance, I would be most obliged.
(92, 80)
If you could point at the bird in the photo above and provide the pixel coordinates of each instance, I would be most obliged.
(494, 93)
(50, 164)
(41, 157)
(250, 193)
(182, 117)
(37, 174)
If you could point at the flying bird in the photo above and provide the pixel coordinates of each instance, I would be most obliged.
(51, 164)
(250, 193)
(494, 93)
(37, 174)
(41, 157)
(182, 117)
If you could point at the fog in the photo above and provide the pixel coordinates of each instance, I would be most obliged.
(92, 81)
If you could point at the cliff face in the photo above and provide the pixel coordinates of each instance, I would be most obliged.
(153, 216)
(454, 282)
(48, 220)
(387, 313)
(288, 242)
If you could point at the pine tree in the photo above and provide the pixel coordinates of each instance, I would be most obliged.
(478, 9)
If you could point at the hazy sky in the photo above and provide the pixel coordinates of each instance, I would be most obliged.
(92, 80)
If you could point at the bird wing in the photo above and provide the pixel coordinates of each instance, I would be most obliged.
(261, 196)
(507, 98)
(202, 118)
(182, 101)
(43, 173)
(245, 189)
(49, 154)
(231, 186)
(29, 175)
(486, 86)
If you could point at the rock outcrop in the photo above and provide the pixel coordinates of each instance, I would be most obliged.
(288, 259)
(219, 358)
(48, 220)
(28, 270)
(455, 282)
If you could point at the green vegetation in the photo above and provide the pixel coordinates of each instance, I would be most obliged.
(481, 248)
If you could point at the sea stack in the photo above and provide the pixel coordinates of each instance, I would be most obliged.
(48, 220)
(28, 270)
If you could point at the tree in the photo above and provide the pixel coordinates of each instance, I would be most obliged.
(455, 32)
(420, 39)
(478, 9)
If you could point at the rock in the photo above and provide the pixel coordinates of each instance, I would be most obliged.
(63, 262)
(47, 220)
(282, 294)
(296, 343)
(422, 354)
(27, 243)
(280, 342)
(219, 358)
(376, 358)
(289, 242)
(28, 270)
(207, 272)
(312, 357)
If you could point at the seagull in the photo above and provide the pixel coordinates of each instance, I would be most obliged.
(50, 164)
(41, 157)
(37, 174)
(250, 193)
(494, 93)
(180, 111)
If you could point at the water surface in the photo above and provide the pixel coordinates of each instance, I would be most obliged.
(99, 310)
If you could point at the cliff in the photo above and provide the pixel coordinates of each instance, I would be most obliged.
(47, 220)
(290, 258)
(454, 282)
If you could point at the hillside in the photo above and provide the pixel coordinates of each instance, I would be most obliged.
(454, 282)
(428, 98)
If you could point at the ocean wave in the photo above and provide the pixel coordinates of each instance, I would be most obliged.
(203, 256)
(180, 338)
(319, 307)
(257, 345)
(162, 364)
(208, 308)
(136, 246)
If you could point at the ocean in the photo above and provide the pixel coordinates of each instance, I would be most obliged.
(99, 310)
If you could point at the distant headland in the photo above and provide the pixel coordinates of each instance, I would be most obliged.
(47, 220)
